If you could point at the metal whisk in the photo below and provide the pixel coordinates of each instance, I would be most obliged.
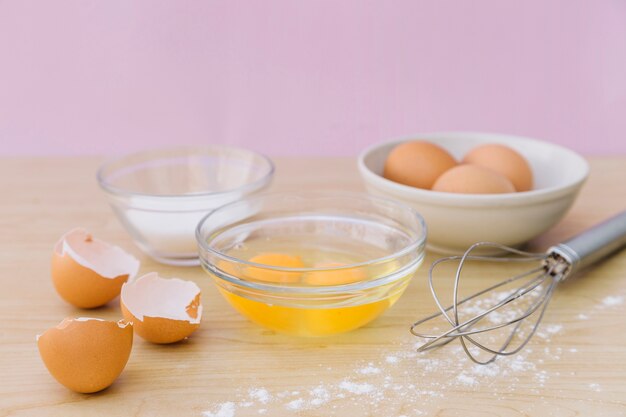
(532, 295)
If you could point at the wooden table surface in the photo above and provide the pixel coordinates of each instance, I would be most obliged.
(231, 367)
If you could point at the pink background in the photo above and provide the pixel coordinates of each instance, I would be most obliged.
(307, 77)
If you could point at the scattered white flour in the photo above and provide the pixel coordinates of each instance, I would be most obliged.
(226, 409)
(554, 328)
(320, 393)
(369, 370)
(391, 359)
(260, 394)
(356, 388)
(418, 381)
(490, 370)
(545, 332)
(542, 377)
(466, 379)
(518, 363)
(612, 300)
(497, 316)
(295, 404)
(317, 402)
(320, 396)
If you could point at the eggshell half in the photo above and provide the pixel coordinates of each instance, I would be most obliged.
(86, 354)
(88, 272)
(161, 310)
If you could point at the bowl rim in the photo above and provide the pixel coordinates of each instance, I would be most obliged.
(445, 198)
(191, 149)
(415, 244)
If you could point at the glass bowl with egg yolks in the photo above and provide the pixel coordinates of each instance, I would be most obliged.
(312, 264)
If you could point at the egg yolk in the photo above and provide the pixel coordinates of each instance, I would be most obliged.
(309, 322)
(312, 317)
(334, 276)
(275, 259)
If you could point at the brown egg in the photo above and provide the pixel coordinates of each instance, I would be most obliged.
(85, 354)
(473, 179)
(504, 160)
(88, 272)
(162, 310)
(417, 163)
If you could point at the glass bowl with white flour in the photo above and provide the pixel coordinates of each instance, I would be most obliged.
(159, 196)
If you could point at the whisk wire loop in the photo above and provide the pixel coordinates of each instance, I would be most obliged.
(536, 283)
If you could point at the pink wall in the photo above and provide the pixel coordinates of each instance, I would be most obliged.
(321, 77)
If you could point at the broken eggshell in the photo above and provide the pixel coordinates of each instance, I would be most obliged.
(86, 354)
(88, 272)
(163, 310)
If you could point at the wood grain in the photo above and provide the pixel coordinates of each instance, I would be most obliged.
(584, 363)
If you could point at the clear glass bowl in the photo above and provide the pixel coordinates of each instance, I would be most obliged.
(312, 264)
(161, 195)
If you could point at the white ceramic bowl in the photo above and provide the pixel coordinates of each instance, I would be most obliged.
(456, 221)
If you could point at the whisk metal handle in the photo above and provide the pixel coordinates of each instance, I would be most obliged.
(593, 244)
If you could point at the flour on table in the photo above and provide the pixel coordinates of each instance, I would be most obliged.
(260, 394)
(554, 328)
(295, 404)
(356, 388)
(226, 409)
(466, 379)
(391, 359)
(405, 377)
(369, 370)
(595, 387)
(612, 300)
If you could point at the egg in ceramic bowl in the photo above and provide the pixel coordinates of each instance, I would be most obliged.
(417, 163)
(473, 179)
(457, 220)
(503, 160)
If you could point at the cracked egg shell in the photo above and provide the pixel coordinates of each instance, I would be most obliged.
(88, 272)
(85, 354)
(162, 310)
